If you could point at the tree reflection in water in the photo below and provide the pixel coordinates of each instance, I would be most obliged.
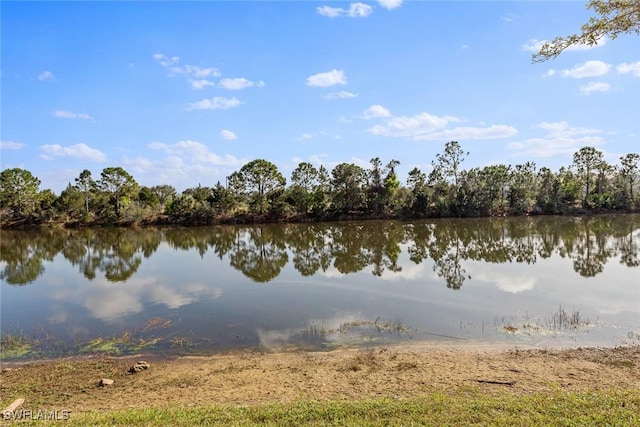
(261, 252)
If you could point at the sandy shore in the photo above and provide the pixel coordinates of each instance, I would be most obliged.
(254, 378)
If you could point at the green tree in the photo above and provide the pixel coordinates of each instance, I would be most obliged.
(221, 199)
(586, 161)
(19, 192)
(523, 188)
(613, 17)
(119, 185)
(164, 193)
(496, 178)
(87, 186)
(260, 178)
(417, 183)
(391, 186)
(629, 174)
(449, 162)
(304, 180)
(375, 188)
(70, 203)
(447, 171)
(347, 183)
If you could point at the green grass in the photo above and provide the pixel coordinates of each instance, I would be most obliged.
(468, 407)
(14, 346)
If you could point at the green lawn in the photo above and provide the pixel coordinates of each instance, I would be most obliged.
(464, 408)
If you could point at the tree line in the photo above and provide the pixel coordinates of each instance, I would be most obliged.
(259, 192)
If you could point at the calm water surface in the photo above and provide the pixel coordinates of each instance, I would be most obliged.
(549, 281)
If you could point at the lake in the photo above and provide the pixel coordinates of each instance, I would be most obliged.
(530, 281)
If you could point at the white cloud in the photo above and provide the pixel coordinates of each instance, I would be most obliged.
(196, 76)
(469, 132)
(412, 126)
(359, 10)
(356, 10)
(594, 87)
(227, 135)
(194, 71)
(428, 127)
(534, 45)
(65, 114)
(588, 69)
(215, 103)
(184, 164)
(306, 136)
(390, 4)
(509, 17)
(330, 12)
(327, 79)
(376, 111)
(46, 75)
(165, 61)
(632, 67)
(79, 151)
(238, 83)
(340, 95)
(560, 139)
(195, 152)
(11, 145)
(201, 84)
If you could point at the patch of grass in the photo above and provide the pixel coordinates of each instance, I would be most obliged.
(468, 407)
(13, 346)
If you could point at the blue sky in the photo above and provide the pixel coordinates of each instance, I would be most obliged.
(185, 93)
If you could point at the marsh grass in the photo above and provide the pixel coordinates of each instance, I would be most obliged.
(560, 321)
(464, 407)
(14, 346)
(365, 331)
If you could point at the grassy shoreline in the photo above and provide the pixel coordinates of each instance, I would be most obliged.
(466, 406)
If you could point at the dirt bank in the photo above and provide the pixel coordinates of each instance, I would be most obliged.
(253, 378)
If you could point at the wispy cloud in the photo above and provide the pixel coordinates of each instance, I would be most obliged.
(215, 103)
(164, 60)
(340, 95)
(46, 76)
(429, 127)
(509, 17)
(356, 10)
(201, 84)
(78, 151)
(591, 87)
(11, 145)
(559, 139)
(390, 4)
(329, 78)
(630, 67)
(412, 126)
(198, 77)
(228, 135)
(238, 83)
(470, 132)
(376, 111)
(66, 114)
(196, 152)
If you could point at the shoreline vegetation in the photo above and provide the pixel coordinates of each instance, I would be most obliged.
(422, 384)
(258, 193)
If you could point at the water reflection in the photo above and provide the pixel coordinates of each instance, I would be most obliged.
(261, 252)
